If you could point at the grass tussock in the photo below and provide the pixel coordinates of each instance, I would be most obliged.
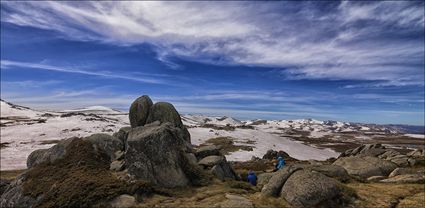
(80, 179)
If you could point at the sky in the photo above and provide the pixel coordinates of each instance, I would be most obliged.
(346, 61)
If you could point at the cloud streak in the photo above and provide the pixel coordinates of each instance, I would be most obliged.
(312, 40)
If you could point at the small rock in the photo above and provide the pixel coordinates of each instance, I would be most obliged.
(117, 165)
(119, 155)
(123, 201)
(236, 201)
(272, 154)
(375, 178)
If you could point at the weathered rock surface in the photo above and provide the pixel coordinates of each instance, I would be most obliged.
(417, 153)
(223, 170)
(212, 160)
(13, 196)
(206, 151)
(306, 188)
(263, 179)
(158, 154)
(375, 178)
(274, 186)
(333, 171)
(117, 165)
(236, 201)
(48, 155)
(122, 134)
(164, 112)
(105, 142)
(366, 166)
(3, 185)
(139, 111)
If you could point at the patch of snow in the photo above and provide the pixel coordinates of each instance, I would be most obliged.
(418, 136)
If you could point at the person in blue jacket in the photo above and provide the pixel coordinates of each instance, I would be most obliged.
(280, 163)
(252, 178)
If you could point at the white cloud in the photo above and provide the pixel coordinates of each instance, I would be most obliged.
(312, 43)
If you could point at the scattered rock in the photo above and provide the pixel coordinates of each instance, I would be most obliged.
(123, 201)
(274, 186)
(401, 171)
(406, 178)
(119, 155)
(417, 153)
(206, 151)
(272, 154)
(365, 150)
(306, 188)
(366, 166)
(139, 111)
(236, 201)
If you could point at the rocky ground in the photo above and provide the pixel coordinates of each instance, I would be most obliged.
(156, 162)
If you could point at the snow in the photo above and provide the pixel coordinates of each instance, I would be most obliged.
(418, 136)
(6, 110)
(263, 142)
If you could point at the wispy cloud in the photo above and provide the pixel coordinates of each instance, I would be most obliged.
(7, 64)
(347, 40)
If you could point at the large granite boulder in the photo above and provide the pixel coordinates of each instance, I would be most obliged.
(210, 161)
(307, 188)
(333, 171)
(103, 142)
(164, 112)
(223, 170)
(49, 155)
(274, 185)
(366, 166)
(263, 179)
(156, 153)
(139, 111)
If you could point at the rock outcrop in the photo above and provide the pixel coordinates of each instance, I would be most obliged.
(139, 111)
(366, 166)
(156, 153)
(272, 154)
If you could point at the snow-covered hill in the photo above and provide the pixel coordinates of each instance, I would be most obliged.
(24, 130)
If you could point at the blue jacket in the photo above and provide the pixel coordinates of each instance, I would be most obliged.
(281, 162)
(252, 178)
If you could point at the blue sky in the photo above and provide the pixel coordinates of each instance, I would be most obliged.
(348, 61)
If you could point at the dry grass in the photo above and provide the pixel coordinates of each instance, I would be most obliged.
(417, 200)
(227, 145)
(387, 195)
(10, 174)
(211, 196)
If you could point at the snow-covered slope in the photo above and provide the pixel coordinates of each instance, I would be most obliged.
(24, 130)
